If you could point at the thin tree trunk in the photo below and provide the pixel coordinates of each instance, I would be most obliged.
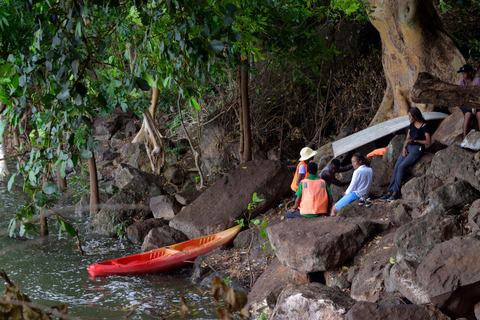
(3, 163)
(247, 134)
(94, 194)
(240, 113)
(43, 223)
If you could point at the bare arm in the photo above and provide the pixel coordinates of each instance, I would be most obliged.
(328, 176)
(346, 168)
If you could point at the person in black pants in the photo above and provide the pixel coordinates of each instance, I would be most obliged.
(413, 149)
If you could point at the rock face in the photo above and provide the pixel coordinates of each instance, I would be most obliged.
(165, 207)
(450, 129)
(161, 237)
(416, 191)
(368, 283)
(454, 163)
(452, 195)
(135, 155)
(472, 141)
(227, 200)
(394, 149)
(403, 278)
(318, 244)
(451, 276)
(366, 310)
(264, 294)
(128, 205)
(312, 301)
(215, 154)
(474, 215)
(138, 231)
(415, 239)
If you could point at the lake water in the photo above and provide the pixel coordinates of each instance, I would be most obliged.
(53, 272)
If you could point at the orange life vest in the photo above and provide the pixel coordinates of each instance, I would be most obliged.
(377, 152)
(294, 185)
(314, 197)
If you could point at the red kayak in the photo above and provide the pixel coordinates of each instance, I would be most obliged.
(166, 258)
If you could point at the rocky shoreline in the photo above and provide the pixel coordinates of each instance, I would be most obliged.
(412, 258)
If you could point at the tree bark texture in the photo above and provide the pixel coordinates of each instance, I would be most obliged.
(247, 134)
(153, 138)
(3, 163)
(430, 89)
(413, 41)
(94, 196)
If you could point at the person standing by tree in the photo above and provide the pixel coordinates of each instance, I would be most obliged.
(468, 80)
(313, 195)
(306, 154)
(413, 149)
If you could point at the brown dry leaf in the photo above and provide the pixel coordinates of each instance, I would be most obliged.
(223, 314)
(217, 284)
(183, 307)
(235, 300)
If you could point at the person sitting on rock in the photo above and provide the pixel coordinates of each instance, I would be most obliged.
(413, 149)
(468, 80)
(306, 155)
(313, 196)
(328, 174)
(360, 184)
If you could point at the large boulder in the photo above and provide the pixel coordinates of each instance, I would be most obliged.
(372, 311)
(228, 199)
(126, 173)
(264, 294)
(137, 232)
(416, 191)
(415, 239)
(161, 237)
(472, 141)
(450, 130)
(368, 283)
(456, 163)
(165, 206)
(402, 278)
(474, 215)
(451, 276)
(394, 148)
(318, 244)
(130, 204)
(215, 153)
(312, 301)
(452, 195)
(135, 155)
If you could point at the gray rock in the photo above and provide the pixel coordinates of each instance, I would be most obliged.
(452, 195)
(450, 129)
(173, 175)
(117, 139)
(215, 154)
(312, 301)
(368, 283)
(472, 141)
(474, 215)
(367, 310)
(402, 278)
(126, 173)
(401, 215)
(326, 242)
(264, 294)
(161, 237)
(108, 154)
(451, 276)
(165, 207)
(82, 208)
(336, 278)
(456, 163)
(416, 191)
(135, 155)
(217, 208)
(131, 128)
(394, 149)
(415, 239)
(137, 232)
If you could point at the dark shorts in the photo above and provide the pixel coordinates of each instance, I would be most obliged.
(466, 110)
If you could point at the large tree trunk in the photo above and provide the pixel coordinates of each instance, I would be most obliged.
(432, 90)
(413, 41)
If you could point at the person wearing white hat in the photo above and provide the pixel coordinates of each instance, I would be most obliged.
(306, 154)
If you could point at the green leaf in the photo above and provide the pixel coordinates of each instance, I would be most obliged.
(40, 199)
(195, 104)
(101, 99)
(228, 19)
(2, 127)
(142, 84)
(216, 45)
(392, 260)
(11, 181)
(86, 154)
(149, 79)
(32, 178)
(69, 228)
(50, 187)
(263, 233)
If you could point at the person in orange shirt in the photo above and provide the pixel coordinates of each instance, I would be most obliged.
(306, 155)
(313, 196)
